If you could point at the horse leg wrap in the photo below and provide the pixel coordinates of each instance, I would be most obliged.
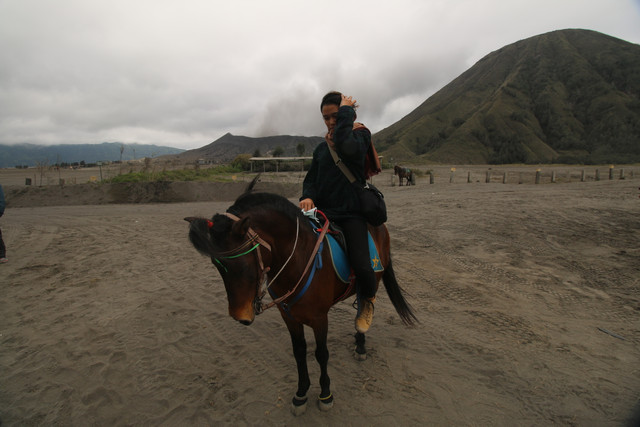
(299, 401)
(325, 403)
(299, 405)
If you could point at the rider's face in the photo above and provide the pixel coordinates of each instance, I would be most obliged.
(330, 115)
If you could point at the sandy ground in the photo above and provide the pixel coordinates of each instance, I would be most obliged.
(528, 297)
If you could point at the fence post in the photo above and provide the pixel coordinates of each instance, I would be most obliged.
(453, 171)
(597, 174)
(553, 176)
(611, 172)
(538, 176)
(622, 173)
(431, 177)
(469, 177)
(488, 179)
(504, 178)
(582, 176)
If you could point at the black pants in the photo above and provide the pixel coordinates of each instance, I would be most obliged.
(355, 233)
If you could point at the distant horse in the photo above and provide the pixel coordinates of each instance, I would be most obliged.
(265, 244)
(404, 173)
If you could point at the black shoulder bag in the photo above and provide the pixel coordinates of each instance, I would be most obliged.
(372, 204)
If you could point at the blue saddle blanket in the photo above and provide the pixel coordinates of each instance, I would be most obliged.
(341, 263)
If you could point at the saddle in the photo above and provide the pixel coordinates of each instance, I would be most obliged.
(338, 249)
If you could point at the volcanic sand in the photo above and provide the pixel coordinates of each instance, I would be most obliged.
(528, 298)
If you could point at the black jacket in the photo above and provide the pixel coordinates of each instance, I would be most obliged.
(325, 183)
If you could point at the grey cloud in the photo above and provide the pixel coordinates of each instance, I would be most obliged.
(186, 73)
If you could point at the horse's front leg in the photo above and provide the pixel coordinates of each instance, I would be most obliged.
(296, 330)
(325, 399)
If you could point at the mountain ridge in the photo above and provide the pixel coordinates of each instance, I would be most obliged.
(568, 95)
(31, 154)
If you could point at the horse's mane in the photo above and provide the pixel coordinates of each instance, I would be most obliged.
(205, 233)
(250, 200)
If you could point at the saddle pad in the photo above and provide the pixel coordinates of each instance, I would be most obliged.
(340, 262)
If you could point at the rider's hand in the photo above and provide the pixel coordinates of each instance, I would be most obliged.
(306, 204)
(347, 100)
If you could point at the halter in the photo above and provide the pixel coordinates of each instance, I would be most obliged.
(262, 285)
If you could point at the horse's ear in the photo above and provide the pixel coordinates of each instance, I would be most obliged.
(240, 227)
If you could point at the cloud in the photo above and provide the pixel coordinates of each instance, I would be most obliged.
(184, 73)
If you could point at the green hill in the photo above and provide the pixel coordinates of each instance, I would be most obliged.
(569, 96)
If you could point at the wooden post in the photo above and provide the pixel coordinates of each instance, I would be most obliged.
(582, 176)
(520, 181)
(538, 176)
(504, 178)
(453, 171)
(488, 178)
(553, 176)
(621, 173)
(611, 172)
(597, 174)
(431, 177)
(469, 177)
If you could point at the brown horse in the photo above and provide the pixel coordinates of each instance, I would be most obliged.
(404, 173)
(265, 244)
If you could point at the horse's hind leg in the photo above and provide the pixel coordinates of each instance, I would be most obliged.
(360, 351)
(296, 331)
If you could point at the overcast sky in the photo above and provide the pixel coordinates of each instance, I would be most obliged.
(183, 73)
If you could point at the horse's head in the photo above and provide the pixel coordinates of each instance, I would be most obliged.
(396, 169)
(236, 255)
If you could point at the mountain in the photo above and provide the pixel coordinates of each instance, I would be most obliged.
(569, 96)
(227, 147)
(30, 154)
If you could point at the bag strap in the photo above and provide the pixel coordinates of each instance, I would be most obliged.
(338, 161)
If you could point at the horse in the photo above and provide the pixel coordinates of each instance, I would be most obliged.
(265, 244)
(404, 173)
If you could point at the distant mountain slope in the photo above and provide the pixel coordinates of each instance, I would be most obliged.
(565, 96)
(29, 154)
(227, 147)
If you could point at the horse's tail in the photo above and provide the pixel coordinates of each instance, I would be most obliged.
(395, 295)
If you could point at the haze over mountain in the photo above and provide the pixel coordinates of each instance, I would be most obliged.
(565, 96)
(227, 147)
(30, 154)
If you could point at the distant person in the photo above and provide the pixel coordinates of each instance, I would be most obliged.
(3, 249)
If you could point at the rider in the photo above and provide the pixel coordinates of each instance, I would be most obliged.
(327, 188)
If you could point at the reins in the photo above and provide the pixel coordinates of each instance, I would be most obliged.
(306, 268)
(259, 306)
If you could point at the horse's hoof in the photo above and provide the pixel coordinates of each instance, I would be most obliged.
(360, 356)
(298, 405)
(326, 403)
(298, 410)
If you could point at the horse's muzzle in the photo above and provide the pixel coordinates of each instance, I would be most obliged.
(246, 322)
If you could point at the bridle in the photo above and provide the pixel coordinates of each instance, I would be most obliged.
(253, 243)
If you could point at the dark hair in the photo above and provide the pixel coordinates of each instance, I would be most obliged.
(332, 98)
